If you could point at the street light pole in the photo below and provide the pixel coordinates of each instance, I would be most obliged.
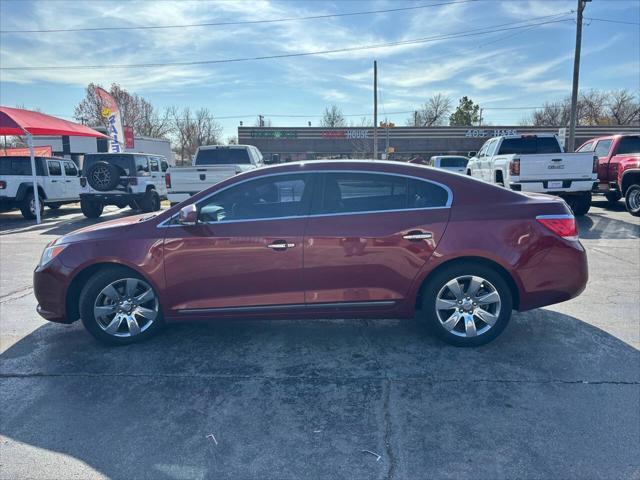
(375, 110)
(576, 76)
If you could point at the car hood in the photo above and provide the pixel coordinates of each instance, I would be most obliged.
(103, 230)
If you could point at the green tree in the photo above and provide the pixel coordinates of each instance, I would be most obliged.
(466, 114)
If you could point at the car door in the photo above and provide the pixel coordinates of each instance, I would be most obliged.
(369, 235)
(245, 251)
(601, 150)
(54, 182)
(71, 181)
(479, 162)
(157, 176)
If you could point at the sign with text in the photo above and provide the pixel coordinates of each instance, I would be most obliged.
(487, 133)
(350, 134)
(273, 134)
(129, 141)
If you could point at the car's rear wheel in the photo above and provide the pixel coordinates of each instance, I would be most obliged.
(613, 197)
(467, 304)
(580, 203)
(632, 200)
(118, 307)
(150, 202)
(91, 208)
(28, 206)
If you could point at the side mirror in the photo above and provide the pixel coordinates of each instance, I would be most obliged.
(188, 215)
(471, 154)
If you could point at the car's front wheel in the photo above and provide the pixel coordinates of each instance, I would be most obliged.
(467, 304)
(632, 200)
(118, 307)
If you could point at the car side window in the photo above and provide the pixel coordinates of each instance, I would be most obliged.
(370, 192)
(270, 197)
(164, 166)
(142, 165)
(55, 170)
(153, 164)
(483, 150)
(587, 147)
(602, 149)
(70, 169)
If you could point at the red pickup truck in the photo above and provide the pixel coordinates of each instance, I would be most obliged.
(618, 168)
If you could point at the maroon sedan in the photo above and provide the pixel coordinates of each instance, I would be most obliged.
(321, 239)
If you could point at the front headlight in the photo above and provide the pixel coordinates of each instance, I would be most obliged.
(50, 253)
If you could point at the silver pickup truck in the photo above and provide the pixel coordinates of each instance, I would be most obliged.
(211, 164)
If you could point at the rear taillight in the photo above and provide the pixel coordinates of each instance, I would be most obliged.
(3, 184)
(514, 167)
(562, 225)
(595, 164)
(133, 180)
(167, 180)
(83, 181)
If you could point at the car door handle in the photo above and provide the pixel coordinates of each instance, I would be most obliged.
(417, 235)
(54, 181)
(280, 245)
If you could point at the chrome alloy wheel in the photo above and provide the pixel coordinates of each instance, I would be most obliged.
(468, 306)
(633, 199)
(126, 307)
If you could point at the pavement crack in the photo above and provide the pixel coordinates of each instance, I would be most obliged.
(388, 430)
(23, 292)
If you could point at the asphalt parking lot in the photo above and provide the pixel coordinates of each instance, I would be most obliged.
(556, 396)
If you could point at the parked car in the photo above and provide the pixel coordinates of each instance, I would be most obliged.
(211, 164)
(618, 168)
(452, 163)
(321, 239)
(537, 163)
(57, 180)
(121, 179)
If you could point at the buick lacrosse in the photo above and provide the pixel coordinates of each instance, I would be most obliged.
(321, 239)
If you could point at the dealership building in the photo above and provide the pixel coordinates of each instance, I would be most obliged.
(307, 143)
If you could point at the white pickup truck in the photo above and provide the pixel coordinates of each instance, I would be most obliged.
(57, 179)
(211, 164)
(537, 163)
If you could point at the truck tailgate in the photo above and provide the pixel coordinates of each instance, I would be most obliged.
(195, 179)
(549, 166)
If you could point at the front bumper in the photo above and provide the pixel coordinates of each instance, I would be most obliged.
(50, 288)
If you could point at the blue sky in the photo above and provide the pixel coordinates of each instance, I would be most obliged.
(514, 68)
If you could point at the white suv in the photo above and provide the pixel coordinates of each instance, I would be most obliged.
(57, 180)
(121, 179)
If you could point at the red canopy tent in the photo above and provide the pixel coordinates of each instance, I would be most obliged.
(16, 121)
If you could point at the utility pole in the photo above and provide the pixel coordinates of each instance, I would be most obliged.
(480, 120)
(375, 109)
(261, 120)
(386, 128)
(576, 77)
(415, 118)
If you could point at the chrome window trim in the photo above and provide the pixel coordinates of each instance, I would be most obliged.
(166, 223)
(267, 308)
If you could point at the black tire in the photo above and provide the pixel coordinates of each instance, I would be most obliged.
(133, 205)
(27, 207)
(632, 200)
(54, 206)
(468, 173)
(437, 282)
(103, 176)
(150, 202)
(91, 208)
(88, 297)
(613, 197)
(580, 204)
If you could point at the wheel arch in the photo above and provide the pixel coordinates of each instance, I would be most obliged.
(629, 178)
(27, 187)
(503, 272)
(72, 307)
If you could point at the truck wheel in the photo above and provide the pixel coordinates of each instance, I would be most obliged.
(91, 209)
(54, 206)
(580, 204)
(150, 202)
(632, 200)
(613, 197)
(28, 206)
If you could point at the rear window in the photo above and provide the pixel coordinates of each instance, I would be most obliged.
(125, 162)
(629, 145)
(529, 145)
(458, 162)
(19, 166)
(223, 156)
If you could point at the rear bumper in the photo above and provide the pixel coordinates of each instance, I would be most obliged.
(561, 276)
(111, 198)
(543, 186)
(179, 196)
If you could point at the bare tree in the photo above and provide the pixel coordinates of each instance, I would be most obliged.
(623, 108)
(233, 140)
(363, 122)
(191, 130)
(333, 118)
(434, 111)
(136, 112)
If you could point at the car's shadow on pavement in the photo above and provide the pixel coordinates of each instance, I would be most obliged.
(553, 397)
(596, 226)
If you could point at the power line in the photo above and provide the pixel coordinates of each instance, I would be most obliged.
(609, 20)
(244, 22)
(471, 33)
